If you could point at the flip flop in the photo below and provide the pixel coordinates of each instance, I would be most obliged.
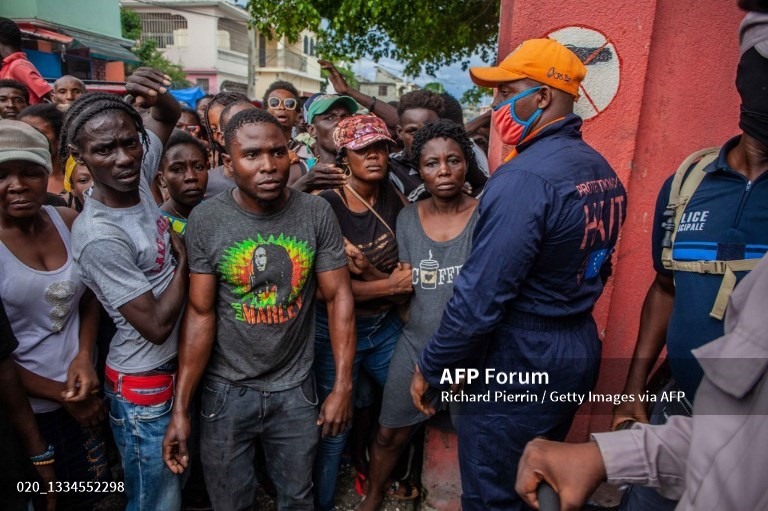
(403, 490)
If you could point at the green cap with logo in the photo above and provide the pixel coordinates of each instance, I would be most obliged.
(322, 104)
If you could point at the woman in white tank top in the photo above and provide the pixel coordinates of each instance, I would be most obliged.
(52, 314)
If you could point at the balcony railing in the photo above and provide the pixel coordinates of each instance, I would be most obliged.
(281, 58)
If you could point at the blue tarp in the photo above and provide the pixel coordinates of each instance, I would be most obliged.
(188, 97)
(47, 64)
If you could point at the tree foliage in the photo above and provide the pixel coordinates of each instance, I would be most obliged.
(476, 95)
(435, 87)
(147, 51)
(424, 34)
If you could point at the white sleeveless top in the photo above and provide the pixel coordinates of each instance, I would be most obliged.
(43, 308)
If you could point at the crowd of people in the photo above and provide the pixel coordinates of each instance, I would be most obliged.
(197, 300)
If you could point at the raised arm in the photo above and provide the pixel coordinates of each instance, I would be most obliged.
(336, 411)
(387, 112)
(198, 329)
(150, 88)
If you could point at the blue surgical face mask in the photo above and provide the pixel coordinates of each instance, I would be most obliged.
(510, 128)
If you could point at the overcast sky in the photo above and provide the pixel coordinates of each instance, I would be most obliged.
(452, 77)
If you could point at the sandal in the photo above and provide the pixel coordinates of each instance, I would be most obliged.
(361, 484)
(403, 490)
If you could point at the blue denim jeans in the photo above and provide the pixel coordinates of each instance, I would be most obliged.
(376, 340)
(139, 432)
(233, 418)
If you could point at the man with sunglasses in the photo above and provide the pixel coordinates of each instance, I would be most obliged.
(522, 304)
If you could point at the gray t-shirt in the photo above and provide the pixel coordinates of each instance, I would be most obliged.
(122, 253)
(265, 267)
(435, 267)
(218, 181)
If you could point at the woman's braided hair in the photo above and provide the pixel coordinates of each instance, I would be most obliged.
(223, 99)
(90, 105)
(443, 128)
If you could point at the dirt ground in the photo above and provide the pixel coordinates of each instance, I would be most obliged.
(346, 496)
(605, 498)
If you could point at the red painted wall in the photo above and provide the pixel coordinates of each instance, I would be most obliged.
(676, 93)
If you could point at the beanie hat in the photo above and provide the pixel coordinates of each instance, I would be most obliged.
(20, 141)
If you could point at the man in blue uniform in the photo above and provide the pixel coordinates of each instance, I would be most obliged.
(549, 221)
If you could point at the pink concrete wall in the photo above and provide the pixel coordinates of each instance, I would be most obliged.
(213, 83)
(676, 93)
(689, 102)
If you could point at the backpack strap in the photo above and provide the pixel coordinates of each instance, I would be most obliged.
(725, 268)
(684, 185)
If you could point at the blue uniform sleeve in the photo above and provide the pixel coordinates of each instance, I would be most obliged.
(513, 218)
(658, 232)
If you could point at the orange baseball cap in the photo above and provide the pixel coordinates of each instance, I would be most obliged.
(543, 60)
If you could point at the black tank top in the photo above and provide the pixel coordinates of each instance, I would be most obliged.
(368, 233)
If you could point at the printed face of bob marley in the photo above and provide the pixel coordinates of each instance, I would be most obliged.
(271, 271)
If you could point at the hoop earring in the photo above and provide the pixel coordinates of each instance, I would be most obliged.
(347, 170)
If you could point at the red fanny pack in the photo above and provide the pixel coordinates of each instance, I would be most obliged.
(139, 389)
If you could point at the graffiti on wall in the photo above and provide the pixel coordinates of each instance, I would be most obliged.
(599, 55)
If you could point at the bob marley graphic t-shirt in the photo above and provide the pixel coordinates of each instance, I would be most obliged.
(265, 266)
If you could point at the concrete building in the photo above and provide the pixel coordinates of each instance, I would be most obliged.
(208, 38)
(386, 85)
(278, 59)
(77, 37)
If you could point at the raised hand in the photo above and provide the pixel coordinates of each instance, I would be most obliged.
(340, 84)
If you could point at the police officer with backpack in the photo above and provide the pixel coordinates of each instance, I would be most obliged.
(710, 230)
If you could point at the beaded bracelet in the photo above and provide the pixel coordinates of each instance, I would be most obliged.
(47, 455)
(41, 463)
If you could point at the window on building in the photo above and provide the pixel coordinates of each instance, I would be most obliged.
(203, 84)
(262, 51)
(382, 90)
(232, 36)
(312, 47)
(167, 30)
(306, 45)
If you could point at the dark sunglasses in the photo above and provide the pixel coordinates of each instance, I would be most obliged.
(288, 103)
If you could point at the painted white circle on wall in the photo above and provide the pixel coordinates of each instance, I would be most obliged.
(599, 55)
